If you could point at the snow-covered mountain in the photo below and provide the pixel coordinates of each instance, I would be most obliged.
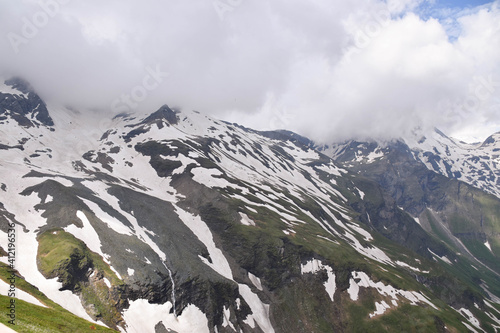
(174, 221)
(476, 164)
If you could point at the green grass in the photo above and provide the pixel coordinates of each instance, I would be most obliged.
(31, 318)
(481, 252)
(62, 255)
(56, 246)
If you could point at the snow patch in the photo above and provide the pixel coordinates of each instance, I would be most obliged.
(142, 316)
(368, 237)
(470, 317)
(314, 266)
(443, 258)
(6, 329)
(225, 319)
(255, 280)
(111, 222)
(201, 230)
(330, 285)
(20, 294)
(353, 290)
(380, 308)
(385, 290)
(251, 209)
(206, 177)
(87, 234)
(403, 264)
(260, 311)
(106, 281)
(246, 220)
(371, 157)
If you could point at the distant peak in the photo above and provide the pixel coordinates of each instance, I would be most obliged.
(163, 113)
(19, 84)
(439, 132)
(491, 140)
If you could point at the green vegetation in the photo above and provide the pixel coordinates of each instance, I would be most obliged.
(62, 255)
(58, 247)
(32, 318)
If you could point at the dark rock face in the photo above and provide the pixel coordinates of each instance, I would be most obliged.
(450, 216)
(27, 111)
(163, 113)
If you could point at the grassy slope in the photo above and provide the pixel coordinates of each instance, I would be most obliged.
(63, 255)
(304, 306)
(33, 318)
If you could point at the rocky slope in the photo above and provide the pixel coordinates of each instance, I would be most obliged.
(176, 221)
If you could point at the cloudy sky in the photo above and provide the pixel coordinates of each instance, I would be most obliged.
(328, 69)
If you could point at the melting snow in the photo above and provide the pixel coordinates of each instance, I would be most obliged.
(470, 317)
(246, 220)
(111, 222)
(201, 230)
(384, 290)
(225, 320)
(20, 294)
(6, 329)
(260, 311)
(330, 284)
(314, 266)
(353, 290)
(371, 157)
(106, 281)
(251, 209)
(26, 265)
(403, 264)
(443, 258)
(381, 307)
(206, 177)
(368, 237)
(142, 316)
(87, 234)
(255, 280)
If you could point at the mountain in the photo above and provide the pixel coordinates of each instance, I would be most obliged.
(175, 221)
(475, 164)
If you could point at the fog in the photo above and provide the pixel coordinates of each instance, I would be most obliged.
(327, 69)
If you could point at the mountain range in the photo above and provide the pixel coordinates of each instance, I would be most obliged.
(173, 221)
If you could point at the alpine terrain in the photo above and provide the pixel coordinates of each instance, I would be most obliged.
(176, 222)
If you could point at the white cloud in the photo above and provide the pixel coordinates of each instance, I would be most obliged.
(328, 69)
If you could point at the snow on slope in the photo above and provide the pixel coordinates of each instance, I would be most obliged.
(476, 164)
(263, 173)
(20, 294)
(415, 298)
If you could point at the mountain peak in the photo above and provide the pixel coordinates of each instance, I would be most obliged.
(19, 84)
(163, 113)
(491, 140)
(27, 108)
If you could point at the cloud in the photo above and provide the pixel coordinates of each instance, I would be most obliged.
(328, 69)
